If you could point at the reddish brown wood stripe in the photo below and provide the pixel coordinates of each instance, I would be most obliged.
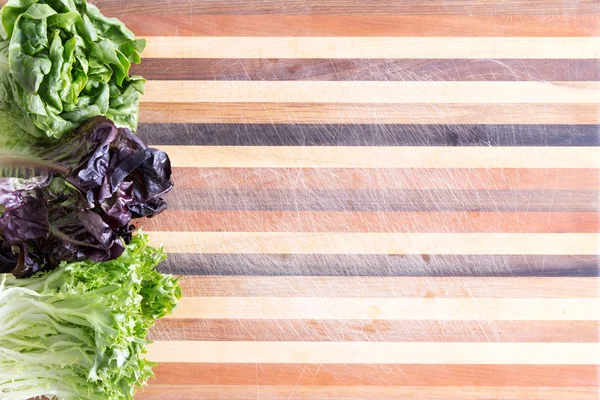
(372, 286)
(294, 392)
(269, 69)
(263, 113)
(349, 7)
(361, 25)
(364, 221)
(403, 178)
(375, 375)
(372, 330)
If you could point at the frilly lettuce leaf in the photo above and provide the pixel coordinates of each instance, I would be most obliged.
(79, 332)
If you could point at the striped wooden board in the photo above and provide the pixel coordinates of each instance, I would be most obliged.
(376, 199)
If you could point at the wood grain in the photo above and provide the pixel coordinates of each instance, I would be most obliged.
(362, 25)
(294, 392)
(376, 243)
(368, 47)
(430, 353)
(487, 151)
(273, 69)
(370, 286)
(357, 265)
(368, 221)
(372, 92)
(326, 200)
(393, 178)
(346, 113)
(369, 135)
(376, 330)
(350, 7)
(353, 375)
(397, 309)
(382, 157)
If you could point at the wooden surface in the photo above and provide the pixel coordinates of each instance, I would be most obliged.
(376, 199)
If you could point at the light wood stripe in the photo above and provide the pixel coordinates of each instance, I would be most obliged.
(377, 243)
(338, 308)
(381, 157)
(375, 353)
(372, 286)
(393, 375)
(372, 221)
(267, 113)
(372, 47)
(299, 392)
(377, 92)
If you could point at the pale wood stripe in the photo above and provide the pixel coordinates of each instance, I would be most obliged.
(312, 308)
(301, 392)
(382, 157)
(377, 243)
(375, 352)
(374, 286)
(372, 47)
(361, 92)
(350, 330)
(268, 113)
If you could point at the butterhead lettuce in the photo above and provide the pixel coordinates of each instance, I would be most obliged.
(61, 63)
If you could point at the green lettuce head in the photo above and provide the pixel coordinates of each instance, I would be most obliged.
(61, 63)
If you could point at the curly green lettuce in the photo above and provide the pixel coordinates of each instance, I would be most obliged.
(61, 63)
(79, 332)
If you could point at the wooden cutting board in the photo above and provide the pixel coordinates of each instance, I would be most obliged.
(376, 199)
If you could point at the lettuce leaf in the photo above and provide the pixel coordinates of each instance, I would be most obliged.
(75, 199)
(79, 332)
(61, 63)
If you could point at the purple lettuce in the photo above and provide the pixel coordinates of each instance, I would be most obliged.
(81, 201)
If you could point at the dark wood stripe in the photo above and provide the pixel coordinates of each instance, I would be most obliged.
(357, 221)
(398, 178)
(362, 25)
(380, 265)
(384, 200)
(348, 7)
(369, 135)
(374, 375)
(346, 113)
(369, 69)
(376, 330)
